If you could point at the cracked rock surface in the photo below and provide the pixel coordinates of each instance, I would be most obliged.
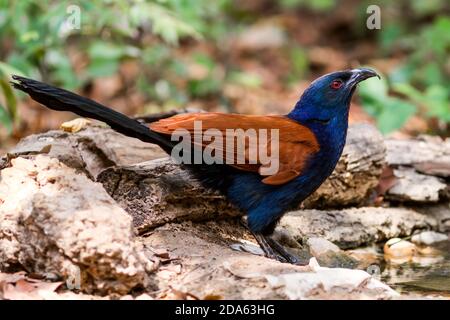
(111, 216)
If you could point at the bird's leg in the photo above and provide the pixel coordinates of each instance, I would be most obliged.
(269, 251)
(282, 251)
(271, 248)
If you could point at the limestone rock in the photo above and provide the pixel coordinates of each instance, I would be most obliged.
(58, 223)
(428, 237)
(354, 227)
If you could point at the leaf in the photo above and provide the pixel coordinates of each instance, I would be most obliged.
(395, 114)
(437, 102)
(105, 51)
(246, 79)
(11, 101)
(373, 108)
(373, 89)
(103, 67)
(5, 119)
(408, 90)
(6, 70)
(62, 68)
(165, 22)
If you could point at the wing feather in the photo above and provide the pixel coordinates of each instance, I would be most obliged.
(296, 142)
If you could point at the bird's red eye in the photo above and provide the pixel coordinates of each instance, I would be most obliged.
(336, 84)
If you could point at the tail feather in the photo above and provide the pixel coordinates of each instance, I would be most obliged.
(63, 100)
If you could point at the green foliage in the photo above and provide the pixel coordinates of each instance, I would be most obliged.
(8, 110)
(422, 79)
(39, 44)
(35, 43)
(318, 5)
(390, 112)
(426, 64)
(435, 99)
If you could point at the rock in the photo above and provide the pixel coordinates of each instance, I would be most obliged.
(366, 256)
(330, 283)
(399, 250)
(55, 221)
(210, 268)
(328, 254)
(90, 150)
(247, 246)
(160, 191)
(319, 246)
(428, 237)
(427, 154)
(438, 212)
(355, 227)
(413, 186)
(418, 163)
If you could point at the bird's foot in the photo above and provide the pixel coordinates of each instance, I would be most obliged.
(74, 125)
(290, 258)
(274, 250)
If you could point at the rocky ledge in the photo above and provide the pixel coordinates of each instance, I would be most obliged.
(93, 214)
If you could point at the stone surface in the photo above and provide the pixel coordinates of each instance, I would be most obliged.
(399, 248)
(330, 283)
(354, 227)
(159, 191)
(429, 237)
(418, 163)
(438, 212)
(414, 186)
(328, 254)
(210, 269)
(90, 150)
(54, 220)
(58, 223)
(428, 154)
(319, 246)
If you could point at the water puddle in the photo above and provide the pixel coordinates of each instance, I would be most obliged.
(426, 274)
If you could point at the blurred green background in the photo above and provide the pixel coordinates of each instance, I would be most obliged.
(253, 56)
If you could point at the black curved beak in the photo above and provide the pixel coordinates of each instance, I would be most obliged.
(361, 74)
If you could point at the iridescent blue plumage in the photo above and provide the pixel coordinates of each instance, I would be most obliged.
(325, 111)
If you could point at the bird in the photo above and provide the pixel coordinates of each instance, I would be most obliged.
(310, 141)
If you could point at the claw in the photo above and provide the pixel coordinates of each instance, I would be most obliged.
(273, 250)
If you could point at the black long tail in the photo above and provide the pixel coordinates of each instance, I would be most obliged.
(63, 100)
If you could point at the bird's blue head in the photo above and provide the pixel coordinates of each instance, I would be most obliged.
(329, 96)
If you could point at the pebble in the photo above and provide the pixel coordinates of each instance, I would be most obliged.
(398, 248)
(428, 237)
(319, 246)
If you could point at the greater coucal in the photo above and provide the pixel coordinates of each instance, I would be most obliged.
(310, 141)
